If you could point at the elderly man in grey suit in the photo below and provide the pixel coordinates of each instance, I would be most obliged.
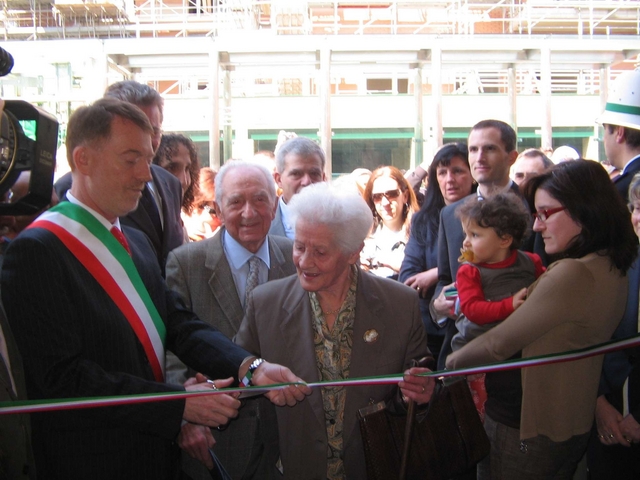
(214, 277)
(299, 163)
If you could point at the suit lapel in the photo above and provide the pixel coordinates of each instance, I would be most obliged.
(141, 218)
(276, 258)
(162, 188)
(277, 228)
(221, 283)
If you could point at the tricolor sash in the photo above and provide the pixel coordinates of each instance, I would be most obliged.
(110, 264)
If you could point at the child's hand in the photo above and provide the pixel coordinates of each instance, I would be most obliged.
(519, 298)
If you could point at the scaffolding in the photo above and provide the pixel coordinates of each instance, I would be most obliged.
(42, 19)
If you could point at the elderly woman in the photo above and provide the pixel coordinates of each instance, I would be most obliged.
(334, 321)
(392, 202)
(451, 181)
(577, 303)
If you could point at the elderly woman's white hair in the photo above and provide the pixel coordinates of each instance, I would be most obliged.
(345, 212)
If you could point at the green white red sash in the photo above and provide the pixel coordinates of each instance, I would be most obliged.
(110, 264)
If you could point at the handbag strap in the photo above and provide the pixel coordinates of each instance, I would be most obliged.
(411, 415)
(218, 472)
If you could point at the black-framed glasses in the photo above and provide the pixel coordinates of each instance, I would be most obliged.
(389, 195)
(543, 215)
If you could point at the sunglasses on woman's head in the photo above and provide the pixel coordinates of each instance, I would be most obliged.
(389, 195)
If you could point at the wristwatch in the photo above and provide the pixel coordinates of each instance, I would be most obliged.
(246, 380)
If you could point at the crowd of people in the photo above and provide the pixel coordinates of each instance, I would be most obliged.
(154, 274)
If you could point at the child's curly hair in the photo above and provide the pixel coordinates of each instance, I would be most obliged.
(506, 213)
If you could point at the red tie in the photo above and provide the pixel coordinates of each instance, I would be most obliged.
(115, 231)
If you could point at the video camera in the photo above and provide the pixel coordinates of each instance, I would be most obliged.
(19, 153)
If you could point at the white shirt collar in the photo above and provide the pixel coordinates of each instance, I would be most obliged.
(99, 217)
(504, 190)
(237, 255)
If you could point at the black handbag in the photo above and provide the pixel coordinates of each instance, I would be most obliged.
(445, 442)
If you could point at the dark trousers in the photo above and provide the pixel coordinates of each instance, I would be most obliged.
(535, 458)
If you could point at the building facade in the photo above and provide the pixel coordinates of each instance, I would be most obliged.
(375, 82)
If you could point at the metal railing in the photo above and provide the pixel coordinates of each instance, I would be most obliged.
(326, 17)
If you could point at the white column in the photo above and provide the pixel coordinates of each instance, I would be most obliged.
(214, 97)
(324, 88)
(545, 86)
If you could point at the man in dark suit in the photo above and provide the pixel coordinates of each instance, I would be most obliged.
(92, 316)
(614, 449)
(621, 122)
(211, 277)
(614, 446)
(299, 163)
(492, 151)
(158, 212)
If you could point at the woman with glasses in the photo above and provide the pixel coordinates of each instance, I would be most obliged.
(543, 432)
(392, 202)
(450, 180)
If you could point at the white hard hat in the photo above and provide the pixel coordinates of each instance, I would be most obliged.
(564, 153)
(623, 102)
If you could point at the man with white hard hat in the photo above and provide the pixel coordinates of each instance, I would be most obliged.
(614, 446)
(621, 122)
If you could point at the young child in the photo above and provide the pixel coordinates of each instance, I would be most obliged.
(492, 282)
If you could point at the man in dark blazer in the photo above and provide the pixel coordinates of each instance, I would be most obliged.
(203, 275)
(621, 123)
(299, 163)
(75, 339)
(492, 151)
(614, 446)
(158, 212)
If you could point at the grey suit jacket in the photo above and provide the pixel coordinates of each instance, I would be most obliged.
(277, 228)
(278, 327)
(199, 272)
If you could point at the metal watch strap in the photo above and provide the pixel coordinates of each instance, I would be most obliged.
(246, 380)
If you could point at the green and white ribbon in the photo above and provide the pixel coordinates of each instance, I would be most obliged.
(31, 406)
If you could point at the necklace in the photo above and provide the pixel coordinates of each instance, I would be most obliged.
(332, 312)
